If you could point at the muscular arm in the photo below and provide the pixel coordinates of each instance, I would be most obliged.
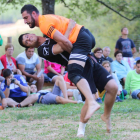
(60, 46)
(38, 68)
(22, 69)
(52, 70)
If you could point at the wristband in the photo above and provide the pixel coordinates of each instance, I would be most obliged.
(7, 86)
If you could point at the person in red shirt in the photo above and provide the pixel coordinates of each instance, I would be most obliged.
(8, 61)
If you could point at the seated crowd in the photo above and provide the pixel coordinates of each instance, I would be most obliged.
(22, 81)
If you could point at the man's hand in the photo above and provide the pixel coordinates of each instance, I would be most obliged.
(35, 77)
(8, 82)
(4, 103)
(16, 82)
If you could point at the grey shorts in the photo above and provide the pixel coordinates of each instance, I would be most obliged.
(50, 98)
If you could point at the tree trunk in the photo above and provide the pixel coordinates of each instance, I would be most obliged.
(48, 7)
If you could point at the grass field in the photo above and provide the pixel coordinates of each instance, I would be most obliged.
(50, 122)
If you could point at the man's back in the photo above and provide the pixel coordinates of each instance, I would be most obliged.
(50, 23)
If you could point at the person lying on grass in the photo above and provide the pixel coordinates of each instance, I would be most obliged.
(57, 96)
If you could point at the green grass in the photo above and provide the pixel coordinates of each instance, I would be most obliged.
(51, 122)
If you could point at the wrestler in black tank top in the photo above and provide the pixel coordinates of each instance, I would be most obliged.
(45, 51)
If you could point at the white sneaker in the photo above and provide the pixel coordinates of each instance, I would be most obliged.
(75, 94)
(79, 101)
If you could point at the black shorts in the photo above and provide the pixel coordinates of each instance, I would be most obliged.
(19, 99)
(51, 75)
(28, 78)
(96, 75)
(83, 45)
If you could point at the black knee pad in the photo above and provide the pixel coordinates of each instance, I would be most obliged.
(75, 72)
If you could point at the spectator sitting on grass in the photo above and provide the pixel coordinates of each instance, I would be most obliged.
(106, 65)
(57, 96)
(27, 61)
(8, 61)
(106, 53)
(136, 59)
(53, 70)
(14, 87)
(132, 83)
(97, 54)
(120, 66)
(1, 77)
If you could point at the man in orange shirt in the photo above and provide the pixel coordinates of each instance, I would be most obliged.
(79, 44)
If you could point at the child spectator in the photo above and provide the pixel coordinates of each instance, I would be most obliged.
(106, 65)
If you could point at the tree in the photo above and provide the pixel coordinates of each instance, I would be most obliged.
(128, 9)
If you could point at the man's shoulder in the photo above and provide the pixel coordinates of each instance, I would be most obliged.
(21, 55)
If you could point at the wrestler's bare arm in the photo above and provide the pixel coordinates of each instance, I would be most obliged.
(59, 47)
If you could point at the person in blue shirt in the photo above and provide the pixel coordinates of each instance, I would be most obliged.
(14, 87)
(127, 46)
(120, 66)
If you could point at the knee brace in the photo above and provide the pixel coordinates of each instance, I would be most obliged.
(75, 72)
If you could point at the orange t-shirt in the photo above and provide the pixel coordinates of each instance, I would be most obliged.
(48, 25)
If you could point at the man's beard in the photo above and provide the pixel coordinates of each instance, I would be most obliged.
(32, 22)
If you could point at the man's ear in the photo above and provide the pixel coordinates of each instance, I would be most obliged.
(34, 14)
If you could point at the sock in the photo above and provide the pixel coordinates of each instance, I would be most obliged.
(81, 129)
(18, 105)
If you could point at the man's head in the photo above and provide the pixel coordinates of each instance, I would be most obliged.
(118, 55)
(138, 66)
(33, 88)
(28, 40)
(124, 31)
(9, 49)
(98, 52)
(30, 14)
(7, 73)
(29, 52)
(106, 51)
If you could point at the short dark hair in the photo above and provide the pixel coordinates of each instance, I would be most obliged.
(29, 8)
(98, 49)
(26, 49)
(20, 40)
(138, 62)
(117, 52)
(123, 28)
(6, 73)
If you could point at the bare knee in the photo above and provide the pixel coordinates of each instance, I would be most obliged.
(59, 100)
(111, 87)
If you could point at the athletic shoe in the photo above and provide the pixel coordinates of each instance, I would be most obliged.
(79, 101)
(18, 105)
(76, 94)
(99, 100)
(118, 99)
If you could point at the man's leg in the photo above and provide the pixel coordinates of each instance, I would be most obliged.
(40, 82)
(111, 88)
(11, 102)
(62, 100)
(82, 124)
(29, 100)
(62, 85)
(83, 86)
